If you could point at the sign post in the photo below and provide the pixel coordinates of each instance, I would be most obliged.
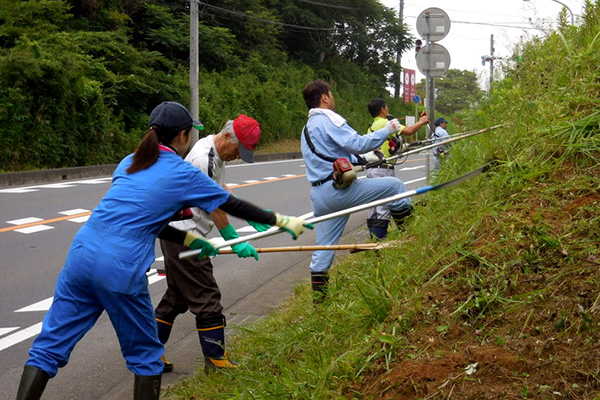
(433, 60)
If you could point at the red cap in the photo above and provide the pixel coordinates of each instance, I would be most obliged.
(247, 130)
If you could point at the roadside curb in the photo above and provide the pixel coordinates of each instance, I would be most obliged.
(62, 174)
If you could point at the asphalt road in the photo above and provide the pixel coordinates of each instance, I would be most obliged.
(38, 223)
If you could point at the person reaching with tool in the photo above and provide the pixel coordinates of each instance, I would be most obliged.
(106, 267)
(378, 218)
(329, 146)
(191, 284)
(439, 135)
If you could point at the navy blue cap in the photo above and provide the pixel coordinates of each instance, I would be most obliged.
(439, 121)
(173, 116)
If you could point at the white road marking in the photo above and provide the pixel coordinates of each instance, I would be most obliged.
(30, 229)
(24, 221)
(74, 211)
(414, 180)
(20, 336)
(69, 184)
(4, 331)
(43, 305)
(155, 278)
(411, 168)
(19, 190)
(79, 220)
(271, 178)
(57, 186)
(245, 165)
(251, 181)
(94, 181)
(34, 229)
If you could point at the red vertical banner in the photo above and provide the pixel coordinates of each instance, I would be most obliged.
(409, 85)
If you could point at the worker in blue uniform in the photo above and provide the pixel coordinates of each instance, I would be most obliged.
(326, 138)
(440, 134)
(106, 267)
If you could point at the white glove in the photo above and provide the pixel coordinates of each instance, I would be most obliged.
(372, 156)
(393, 126)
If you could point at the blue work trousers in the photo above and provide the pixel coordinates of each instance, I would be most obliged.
(101, 272)
(326, 199)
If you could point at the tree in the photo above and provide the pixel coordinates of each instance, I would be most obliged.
(456, 91)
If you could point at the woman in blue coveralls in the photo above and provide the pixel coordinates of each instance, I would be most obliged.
(110, 255)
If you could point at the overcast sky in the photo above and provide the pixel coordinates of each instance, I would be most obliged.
(474, 21)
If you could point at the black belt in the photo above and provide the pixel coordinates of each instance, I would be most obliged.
(322, 181)
(385, 166)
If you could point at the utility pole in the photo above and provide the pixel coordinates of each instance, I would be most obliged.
(194, 68)
(491, 61)
(398, 53)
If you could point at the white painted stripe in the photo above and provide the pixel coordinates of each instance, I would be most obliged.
(94, 181)
(80, 220)
(33, 229)
(155, 278)
(18, 190)
(288, 175)
(411, 168)
(4, 331)
(74, 211)
(270, 178)
(246, 165)
(20, 336)
(57, 186)
(43, 305)
(251, 181)
(24, 221)
(414, 180)
(231, 184)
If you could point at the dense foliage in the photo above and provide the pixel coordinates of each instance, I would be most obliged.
(78, 78)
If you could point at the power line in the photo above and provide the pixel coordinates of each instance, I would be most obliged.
(328, 5)
(489, 24)
(244, 15)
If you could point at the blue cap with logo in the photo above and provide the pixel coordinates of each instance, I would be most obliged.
(173, 116)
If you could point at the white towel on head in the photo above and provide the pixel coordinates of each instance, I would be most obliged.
(334, 117)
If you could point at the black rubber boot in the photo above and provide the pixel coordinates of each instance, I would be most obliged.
(164, 331)
(146, 387)
(211, 332)
(319, 281)
(378, 227)
(400, 216)
(33, 383)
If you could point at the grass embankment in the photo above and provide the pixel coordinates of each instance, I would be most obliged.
(493, 289)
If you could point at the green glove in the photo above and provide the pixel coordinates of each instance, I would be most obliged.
(243, 249)
(258, 226)
(292, 225)
(196, 242)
